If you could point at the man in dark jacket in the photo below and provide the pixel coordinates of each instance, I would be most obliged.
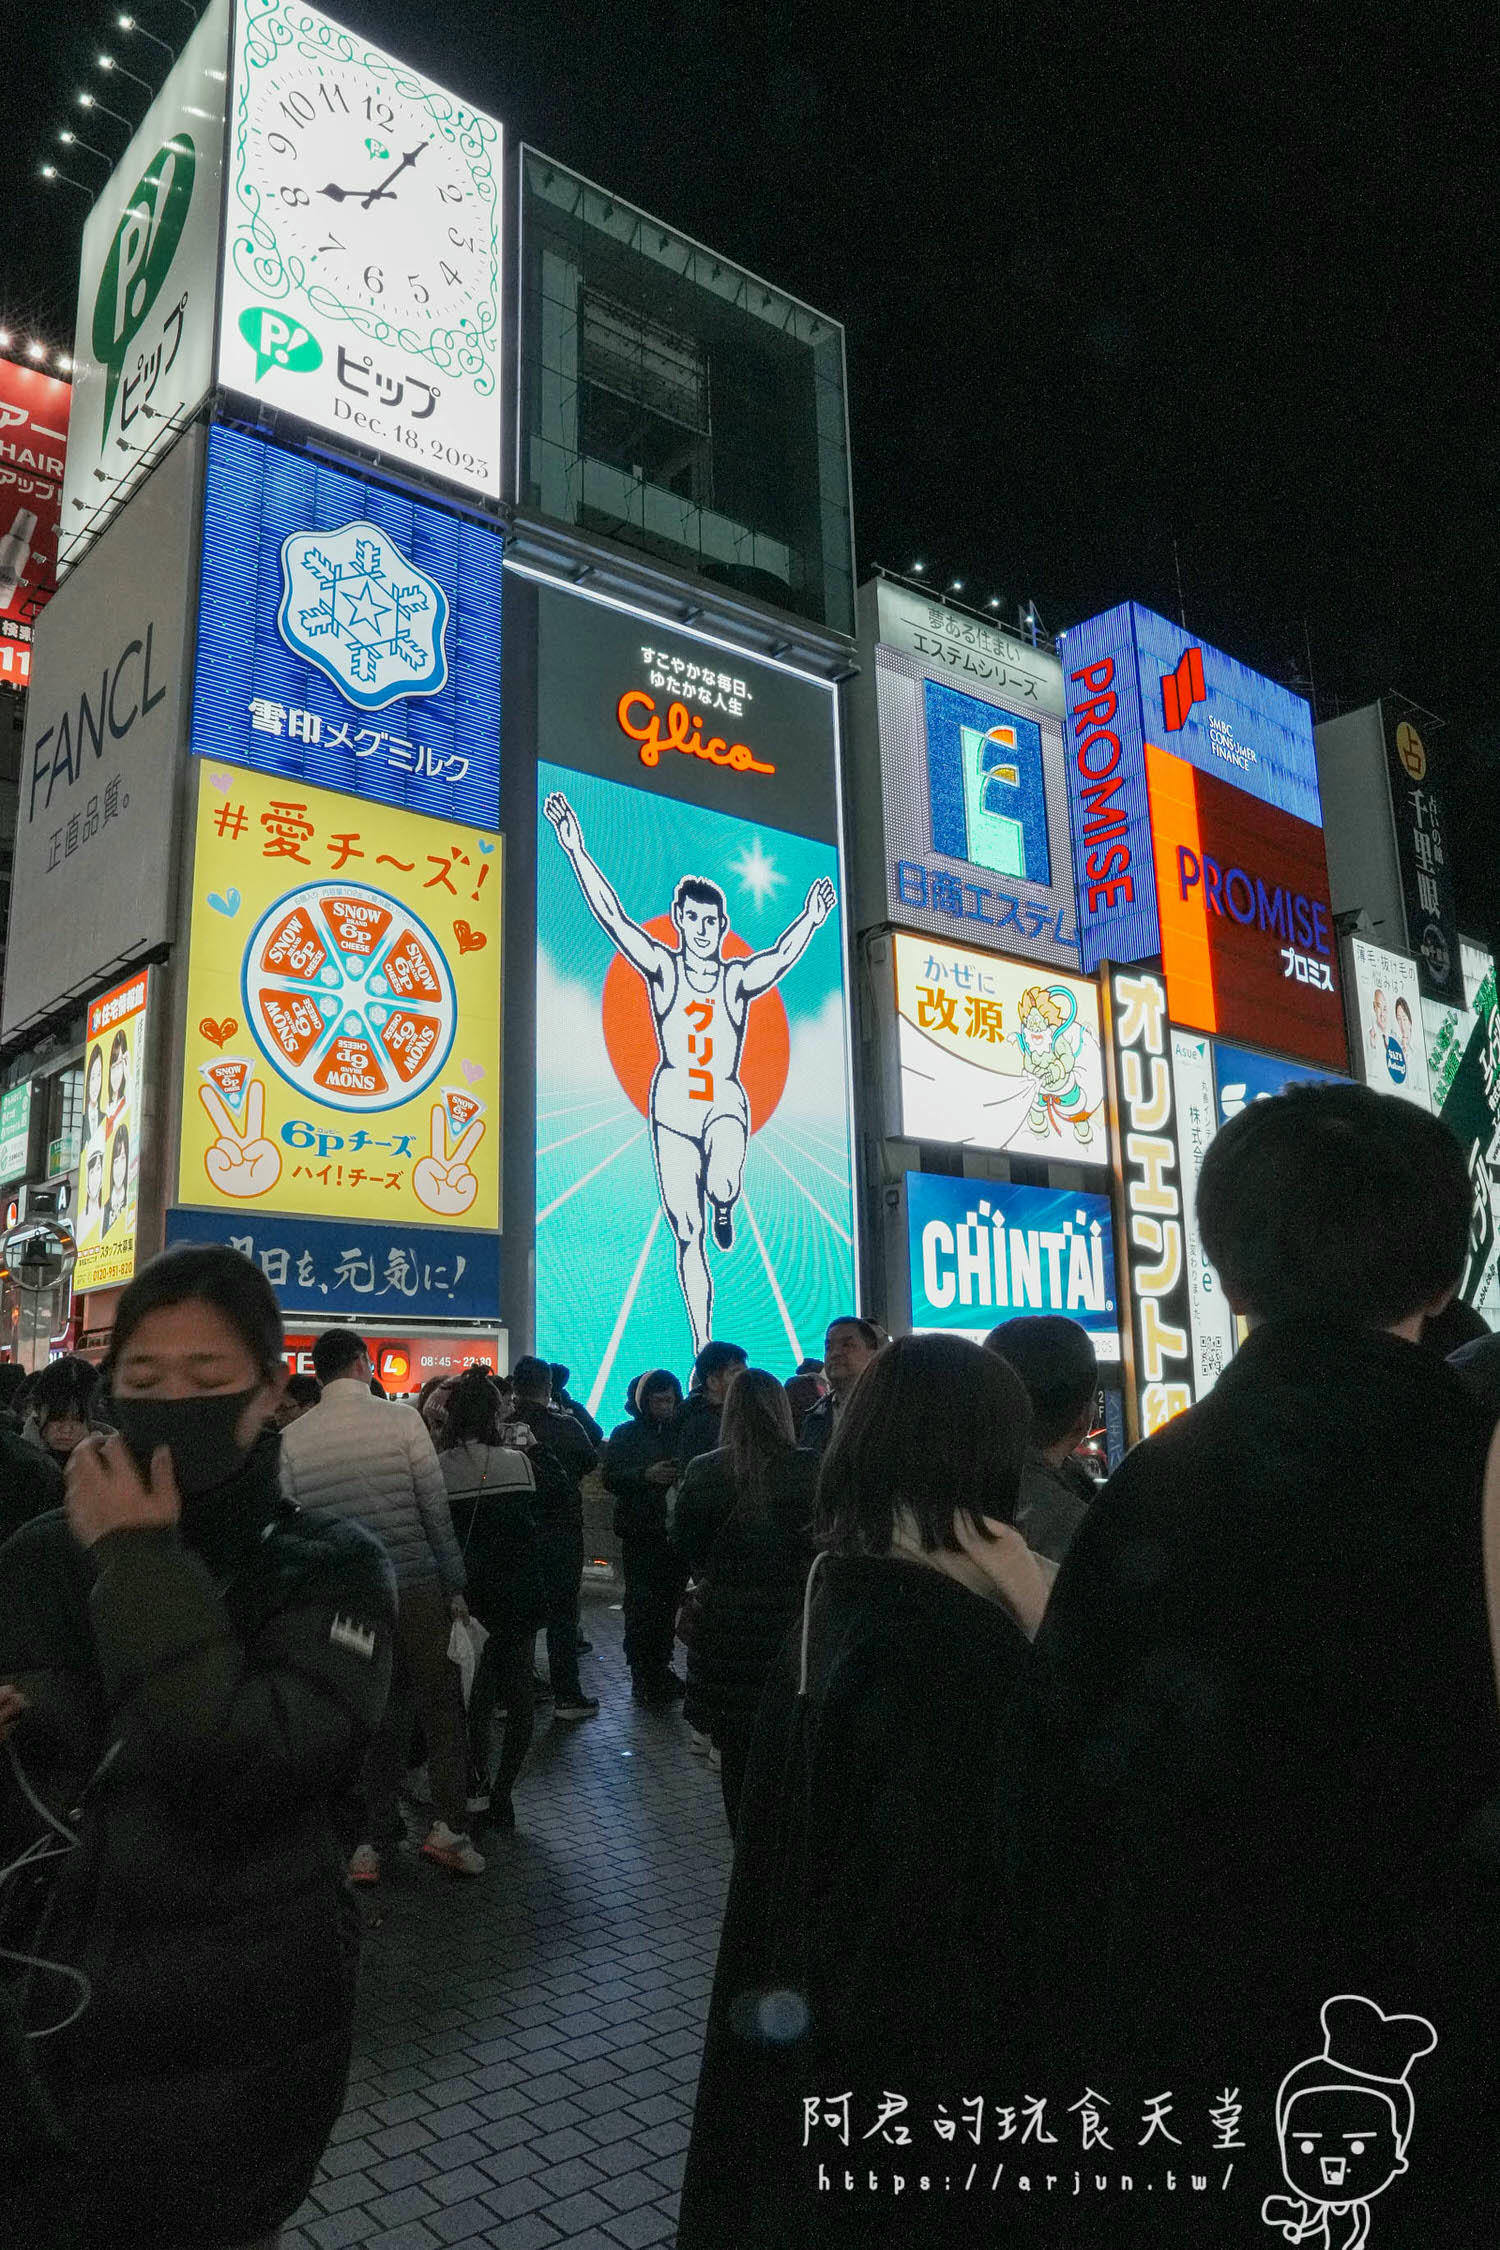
(640, 1467)
(561, 1458)
(1055, 1359)
(199, 1669)
(1478, 1366)
(30, 1482)
(566, 1404)
(697, 1427)
(1256, 1764)
(848, 1348)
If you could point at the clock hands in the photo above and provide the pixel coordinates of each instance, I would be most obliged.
(379, 194)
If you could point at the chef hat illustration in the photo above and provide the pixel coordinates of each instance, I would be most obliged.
(1363, 2046)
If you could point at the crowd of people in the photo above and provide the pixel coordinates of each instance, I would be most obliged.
(1038, 1793)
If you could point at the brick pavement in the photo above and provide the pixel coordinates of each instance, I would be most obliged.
(526, 2048)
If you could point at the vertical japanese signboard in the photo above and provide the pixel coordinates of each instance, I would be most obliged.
(694, 1157)
(1151, 1245)
(143, 340)
(1422, 855)
(33, 439)
(1197, 1122)
(1463, 1063)
(109, 1160)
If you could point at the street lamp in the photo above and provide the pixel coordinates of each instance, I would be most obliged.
(50, 172)
(107, 62)
(92, 101)
(71, 140)
(128, 23)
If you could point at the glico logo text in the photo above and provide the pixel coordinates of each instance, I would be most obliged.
(639, 718)
(1243, 898)
(1097, 756)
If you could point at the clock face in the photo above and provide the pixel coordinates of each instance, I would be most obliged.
(362, 276)
(375, 199)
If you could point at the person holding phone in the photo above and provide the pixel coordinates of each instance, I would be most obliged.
(195, 1668)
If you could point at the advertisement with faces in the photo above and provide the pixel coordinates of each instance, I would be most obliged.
(1386, 1040)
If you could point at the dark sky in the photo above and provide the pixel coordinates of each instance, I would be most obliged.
(1112, 277)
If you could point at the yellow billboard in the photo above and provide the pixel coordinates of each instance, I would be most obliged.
(343, 1008)
(109, 1156)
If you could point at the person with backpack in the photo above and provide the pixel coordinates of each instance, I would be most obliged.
(745, 1516)
(490, 1488)
(640, 1467)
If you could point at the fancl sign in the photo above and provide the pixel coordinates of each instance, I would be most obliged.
(986, 1251)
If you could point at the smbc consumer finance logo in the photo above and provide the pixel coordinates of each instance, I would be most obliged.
(140, 258)
(279, 342)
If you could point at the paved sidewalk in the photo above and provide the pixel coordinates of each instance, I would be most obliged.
(527, 2045)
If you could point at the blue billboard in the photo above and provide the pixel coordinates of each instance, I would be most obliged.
(986, 786)
(357, 1269)
(985, 1251)
(348, 636)
(1131, 678)
(1241, 1076)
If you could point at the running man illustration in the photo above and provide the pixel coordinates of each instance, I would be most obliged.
(1051, 1045)
(1344, 2119)
(699, 1116)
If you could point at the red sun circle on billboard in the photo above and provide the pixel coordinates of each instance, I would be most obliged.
(630, 1032)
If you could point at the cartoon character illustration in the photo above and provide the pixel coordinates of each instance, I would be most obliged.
(442, 1180)
(93, 1194)
(240, 1161)
(119, 1075)
(699, 1116)
(1344, 2119)
(1051, 1042)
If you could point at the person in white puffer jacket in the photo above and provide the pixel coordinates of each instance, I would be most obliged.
(360, 1457)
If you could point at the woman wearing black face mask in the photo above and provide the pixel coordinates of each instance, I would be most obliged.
(202, 1667)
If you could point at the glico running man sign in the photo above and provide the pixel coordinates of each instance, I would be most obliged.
(693, 1142)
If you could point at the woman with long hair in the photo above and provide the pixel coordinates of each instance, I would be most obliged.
(864, 1945)
(489, 1490)
(744, 1528)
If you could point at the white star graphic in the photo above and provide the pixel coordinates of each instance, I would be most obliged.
(364, 609)
(758, 873)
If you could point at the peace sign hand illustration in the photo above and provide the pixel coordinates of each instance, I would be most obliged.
(443, 1182)
(240, 1164)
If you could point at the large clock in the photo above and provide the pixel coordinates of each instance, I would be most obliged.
(362, 275)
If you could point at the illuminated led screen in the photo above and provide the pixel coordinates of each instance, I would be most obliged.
(347, 636)
(693, 1157)
(986, 1251)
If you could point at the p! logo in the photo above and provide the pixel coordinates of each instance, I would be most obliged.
(279, 342)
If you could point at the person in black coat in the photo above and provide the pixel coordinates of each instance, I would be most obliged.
(193, 1669)
(1256, 1761)
(863, 1947)
(30, 1482)
(561, 1458)
(743, 1525)
(568, 1405)
(702, 1412)
(640, 1467)
(490, 1491)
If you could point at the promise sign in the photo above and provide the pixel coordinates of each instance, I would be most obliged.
(1151, 1244)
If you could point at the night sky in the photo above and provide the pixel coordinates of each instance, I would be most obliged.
(1111, 279)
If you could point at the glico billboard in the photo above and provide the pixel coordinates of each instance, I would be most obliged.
(693, 1158)
(1132, 680)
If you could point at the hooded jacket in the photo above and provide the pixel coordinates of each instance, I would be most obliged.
(634, 1447)
(219, 1683)
(1256, 1760)
(863, 1895)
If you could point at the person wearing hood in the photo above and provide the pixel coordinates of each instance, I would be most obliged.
(745, 1520)
(865, 1944)
(702, 1411)
(640, 1466)
(195, 1670)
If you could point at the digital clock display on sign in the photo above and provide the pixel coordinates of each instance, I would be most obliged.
(362, 236)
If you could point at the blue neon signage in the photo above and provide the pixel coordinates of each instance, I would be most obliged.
(986, 1251)
(1131, 677)
(348, 636)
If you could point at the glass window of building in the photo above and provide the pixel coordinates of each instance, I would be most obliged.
(674, 403)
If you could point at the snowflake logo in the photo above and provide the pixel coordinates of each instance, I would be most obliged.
(369, 620)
